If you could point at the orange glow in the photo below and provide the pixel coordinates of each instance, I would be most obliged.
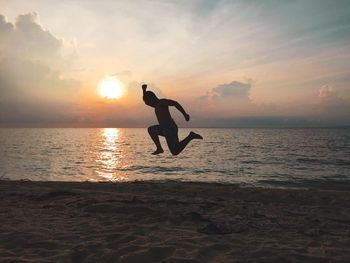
(111, 88)
(111, 156)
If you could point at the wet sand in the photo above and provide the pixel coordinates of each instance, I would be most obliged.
(170, 222)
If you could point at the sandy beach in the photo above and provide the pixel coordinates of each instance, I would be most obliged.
(170, 222)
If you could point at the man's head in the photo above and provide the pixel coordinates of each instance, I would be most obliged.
(150, 98)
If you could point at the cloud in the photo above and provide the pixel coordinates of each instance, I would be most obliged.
(229, 105)
(204, 97)
(27, 39)
(229, 100)
(31, 85)
(332, 105)
(235, 89)
(327, 95)
(6, 28)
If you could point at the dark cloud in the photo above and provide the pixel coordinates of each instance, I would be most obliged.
(230, 100)
(235, 89)
(32, 90)
(226, 93)
(27, 39)
(6, 28)
(24, 113)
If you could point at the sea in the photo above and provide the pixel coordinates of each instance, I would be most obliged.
(257, 157)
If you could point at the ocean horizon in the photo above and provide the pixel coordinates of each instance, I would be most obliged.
(264, 157)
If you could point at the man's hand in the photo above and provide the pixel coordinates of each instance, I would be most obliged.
(177, 106)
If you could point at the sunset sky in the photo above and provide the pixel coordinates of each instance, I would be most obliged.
(229, 63)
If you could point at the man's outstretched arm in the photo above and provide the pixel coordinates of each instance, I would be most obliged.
(179, 107)
(144, 88)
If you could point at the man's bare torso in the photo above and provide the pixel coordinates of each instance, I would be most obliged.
(163, 114)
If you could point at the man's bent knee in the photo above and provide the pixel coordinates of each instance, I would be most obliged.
(151, 129)
(174, 151)
(154, 130)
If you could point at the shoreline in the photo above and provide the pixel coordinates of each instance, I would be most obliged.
(317, 185)
(171, 221)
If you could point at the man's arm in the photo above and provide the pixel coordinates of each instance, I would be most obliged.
(179, 107)
(144, 88)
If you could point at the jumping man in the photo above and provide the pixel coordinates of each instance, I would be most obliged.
(167, 126)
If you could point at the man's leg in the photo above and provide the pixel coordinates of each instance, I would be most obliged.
(155, 131)
(176, 146)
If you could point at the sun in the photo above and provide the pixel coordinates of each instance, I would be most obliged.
(110, 88)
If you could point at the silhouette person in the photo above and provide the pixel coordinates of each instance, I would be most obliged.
(167, 126)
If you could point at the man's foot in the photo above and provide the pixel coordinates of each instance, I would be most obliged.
(195, 135)
(158, 151)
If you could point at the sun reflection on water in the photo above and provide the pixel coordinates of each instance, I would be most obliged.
(110, 155)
